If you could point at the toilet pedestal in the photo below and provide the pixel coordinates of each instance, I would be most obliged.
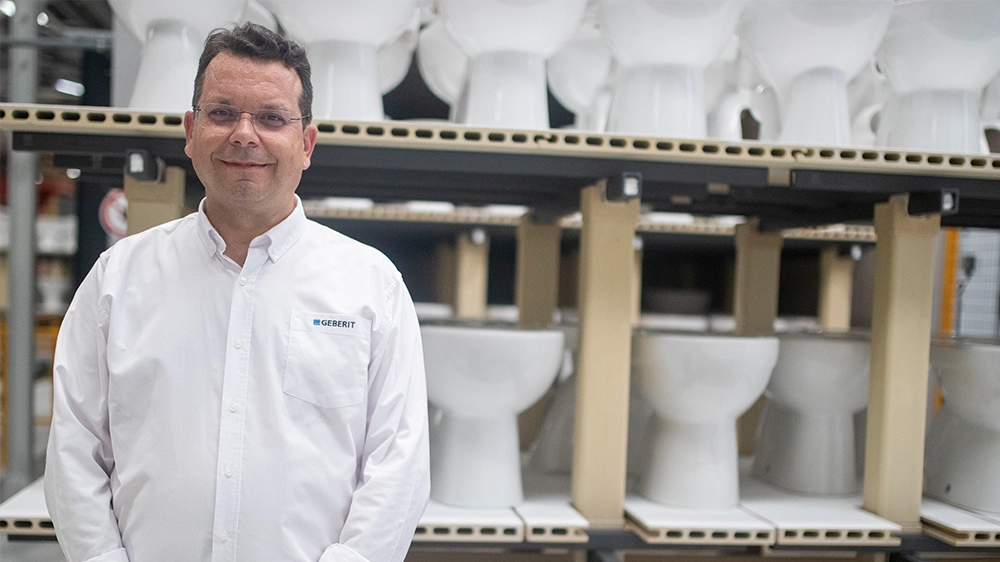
(794, 449)
(963, 461)
(816, 110)
(692, 464)
(507, 89)
(345, 80)
(475, 461)
(167, 87)
(662, 98)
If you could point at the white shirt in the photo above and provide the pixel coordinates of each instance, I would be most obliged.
(203, 411)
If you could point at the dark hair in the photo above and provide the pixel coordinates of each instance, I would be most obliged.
(256, 42)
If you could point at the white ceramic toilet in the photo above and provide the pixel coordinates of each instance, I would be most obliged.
(809, 51)
(173, 36)
(662, 48)
(939, 55)
(480, 376)
(807, 440)
(507, 42)
(962, 458)
(698, 386)
(579, 76)
(443, 65)
(342, 38)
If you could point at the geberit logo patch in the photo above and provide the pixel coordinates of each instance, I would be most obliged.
(333, 323)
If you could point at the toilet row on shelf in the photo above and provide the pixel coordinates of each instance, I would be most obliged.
(905, 74)
(689, 388)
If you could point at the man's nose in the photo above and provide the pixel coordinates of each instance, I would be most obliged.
(244, 131)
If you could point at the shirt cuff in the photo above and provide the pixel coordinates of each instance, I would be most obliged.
(116, 555)
(341, 553)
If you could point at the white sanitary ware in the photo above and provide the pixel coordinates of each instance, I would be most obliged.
(442, 64)
(809, 51)
(807, 440)
(698, 386)
(480, 377)
(662, 48)
(733, 85)
(342, 38)
(962, 457)
(938, 55)
(507, 43)
(579, 77)
(395, 57)
(173, 36)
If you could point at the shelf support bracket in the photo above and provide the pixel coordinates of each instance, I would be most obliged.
(900, 350)
(836, 286)
(472, 265)
(151, 203)
(605, 303)
(758, 265)
(537, 282)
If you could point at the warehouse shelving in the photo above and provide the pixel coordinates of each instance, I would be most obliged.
(556, 174)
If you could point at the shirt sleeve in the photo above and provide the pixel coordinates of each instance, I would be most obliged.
(395, 468)
(79, 460)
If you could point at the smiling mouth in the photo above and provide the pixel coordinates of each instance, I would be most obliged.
(244, 165)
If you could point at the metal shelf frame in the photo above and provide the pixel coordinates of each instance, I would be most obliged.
(557, 173)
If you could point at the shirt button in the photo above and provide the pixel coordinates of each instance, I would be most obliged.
(238, 344)
(243, 281)
(229, 472)
(234, 407)
(223, 536)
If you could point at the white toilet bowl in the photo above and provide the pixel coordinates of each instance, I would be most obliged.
(698, 386)
(962, 457)
(342, 38)
(443, 65)
(579, 76)
(481, 376)
(507, 43)
(173, 36)
(662, 48)
(807, 439)
(809, 51)
(938, 55)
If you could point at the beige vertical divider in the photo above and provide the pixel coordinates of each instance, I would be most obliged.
(758, 265)
(836, 279)
(605, 297)
(154, 203)
(444, 255)
(537, 283)
(637, 281)
(472, 260)
(897, 391)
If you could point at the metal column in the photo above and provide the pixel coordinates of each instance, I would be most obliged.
(22, 169)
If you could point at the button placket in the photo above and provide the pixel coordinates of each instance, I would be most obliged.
(232, 426)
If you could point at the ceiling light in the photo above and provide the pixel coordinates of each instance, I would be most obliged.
(8, 8)
(42, 19)
(69, 87)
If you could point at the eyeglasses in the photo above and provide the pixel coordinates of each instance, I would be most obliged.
(227, 116)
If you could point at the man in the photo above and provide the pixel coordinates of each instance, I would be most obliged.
(240, 384)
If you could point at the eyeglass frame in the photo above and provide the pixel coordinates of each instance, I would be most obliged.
(253, 116)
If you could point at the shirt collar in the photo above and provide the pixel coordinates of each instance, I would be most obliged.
(276, 241)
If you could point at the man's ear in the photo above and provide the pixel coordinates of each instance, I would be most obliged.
(188, 131)
(308, 144)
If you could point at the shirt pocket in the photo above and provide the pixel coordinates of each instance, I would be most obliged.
(327, 359)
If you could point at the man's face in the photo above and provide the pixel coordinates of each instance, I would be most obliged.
(248, 168)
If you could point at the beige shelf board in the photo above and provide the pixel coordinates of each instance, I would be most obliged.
(959, 527)
(656, 523)
(547, 513)
(815, 520)
(476, 216)
(445, 523)
(778, 159)
(25, 513)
